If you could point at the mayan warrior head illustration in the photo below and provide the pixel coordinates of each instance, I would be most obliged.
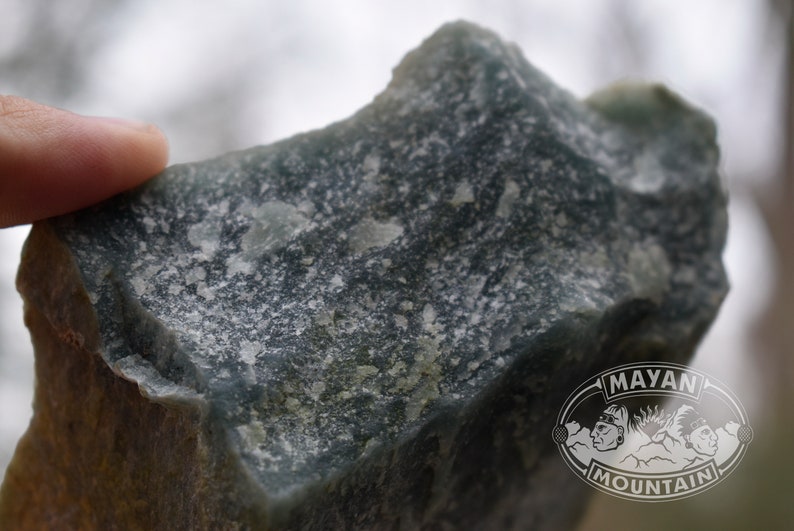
(697, 433)
(609, 432)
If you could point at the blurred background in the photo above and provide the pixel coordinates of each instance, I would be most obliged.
(222, 76)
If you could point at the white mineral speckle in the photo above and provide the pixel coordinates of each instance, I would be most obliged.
(273, 225)
(292, 404)
(422, 377)
(206, 234)
(317, 388)
(369, 233)
(649, 176)
(253, 434)
(175, 289)
(149, 224)
(561, 220)
(429, 318)
(139, 285)
(204, 291)
(596, 258)
(249, 375)
(401, 322)
(463, 194)
(236, 263)
(194, 275)
(396, 368)
(509, 196)
(306, 208)
(365, 371)
(649, 271)
(249, 350)
(371, 166)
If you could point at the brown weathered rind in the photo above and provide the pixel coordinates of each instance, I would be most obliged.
(98, 455)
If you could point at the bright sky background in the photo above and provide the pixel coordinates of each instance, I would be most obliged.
(312, 62)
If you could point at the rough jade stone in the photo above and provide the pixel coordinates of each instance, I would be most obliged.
(371, 325)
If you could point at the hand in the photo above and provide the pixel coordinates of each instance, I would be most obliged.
(53, 161)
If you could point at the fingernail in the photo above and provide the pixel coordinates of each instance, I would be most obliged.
(135, 125)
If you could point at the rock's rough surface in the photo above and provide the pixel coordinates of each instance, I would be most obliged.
(371, 325)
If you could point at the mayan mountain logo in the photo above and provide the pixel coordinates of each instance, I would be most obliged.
(652, 431)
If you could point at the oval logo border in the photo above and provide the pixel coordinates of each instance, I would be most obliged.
(651, 379)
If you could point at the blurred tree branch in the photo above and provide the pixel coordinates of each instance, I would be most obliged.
(54, 44)
(775, 331)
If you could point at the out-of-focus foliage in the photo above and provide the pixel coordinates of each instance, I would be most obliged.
(46, 47)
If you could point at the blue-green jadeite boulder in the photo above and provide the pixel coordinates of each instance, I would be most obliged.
(373, 325)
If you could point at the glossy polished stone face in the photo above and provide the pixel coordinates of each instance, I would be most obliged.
(398, 303)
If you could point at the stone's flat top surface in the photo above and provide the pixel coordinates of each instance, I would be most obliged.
(322, 295)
